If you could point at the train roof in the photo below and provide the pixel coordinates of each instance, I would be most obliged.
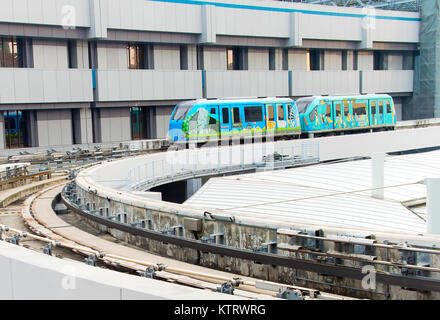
(238, 100)
(355, 96)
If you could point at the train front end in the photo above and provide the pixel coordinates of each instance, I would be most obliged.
(177, 131)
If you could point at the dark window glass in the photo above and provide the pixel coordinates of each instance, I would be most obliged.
(373, 107)
(15, 129)
(344, 59)
(272, 59)
(136, 57)
(380, 107)
(9, 53)
(213, 111)
(236, 58)
(138, 123)
(253, 114)
(184, 57)
(225, 115)
(280, 109)
(236, 115)
(360, 109)
(389, 110)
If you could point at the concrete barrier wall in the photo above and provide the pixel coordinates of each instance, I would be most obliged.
(27, 274)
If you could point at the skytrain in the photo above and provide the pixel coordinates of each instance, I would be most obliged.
(206, 120)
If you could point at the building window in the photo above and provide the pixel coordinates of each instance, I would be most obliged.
(236, 58)
(355, 59)
(344, 60)
(380, 60)
(15, 129)
(316, 59)
(10, 52)
(271, 58)
(183, 57)
(138, 123)
(200, 60)
(135, 56)
(285, 59)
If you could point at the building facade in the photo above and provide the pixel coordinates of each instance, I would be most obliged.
(85, 71)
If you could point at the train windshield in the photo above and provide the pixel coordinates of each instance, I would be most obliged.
(182, 110)
(303, 104)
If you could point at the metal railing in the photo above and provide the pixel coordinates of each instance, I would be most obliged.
(190, 163)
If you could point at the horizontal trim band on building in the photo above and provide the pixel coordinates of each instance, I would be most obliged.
(275, 9)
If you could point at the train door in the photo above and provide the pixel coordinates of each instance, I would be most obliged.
(380, 112)
(338, 122)
(213, 122)
(237, 120)
(360, 113)
(281, 118)
(347, 114)
(388, 112)
(225, 122)
(373, 113)
(325, 115)
(253, 119)
(270, 118)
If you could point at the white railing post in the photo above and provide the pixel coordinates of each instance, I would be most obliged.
(377, 168)
(433, 205)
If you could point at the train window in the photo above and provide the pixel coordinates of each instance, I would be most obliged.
(373, 107)
(337, 109)
(312, 115)
(389, 110)
(380, 107)
(328, 111)
(270, 113)
(225, 115)
(360, 109)
(182, 110)
(280, 109)
(236, 115)
(253, 114)
(346, 108)
(303, 104)
(289, 112)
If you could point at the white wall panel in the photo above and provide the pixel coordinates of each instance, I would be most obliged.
(307, 83)
(387, 81)
(50, 54)
(365, 60)
(152, 84)
(54, 127)
(43, 12)
(246, 83)
(115, 124)
(297, 59)
(45, 86)
(258, 59)
(215, 58)
(332, 60)
(166, 57)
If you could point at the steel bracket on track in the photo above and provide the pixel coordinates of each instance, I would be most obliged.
(47, 249)
(226, 287)
(290, 295)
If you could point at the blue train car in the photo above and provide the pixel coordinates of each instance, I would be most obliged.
(341, 113)
(202, 120)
